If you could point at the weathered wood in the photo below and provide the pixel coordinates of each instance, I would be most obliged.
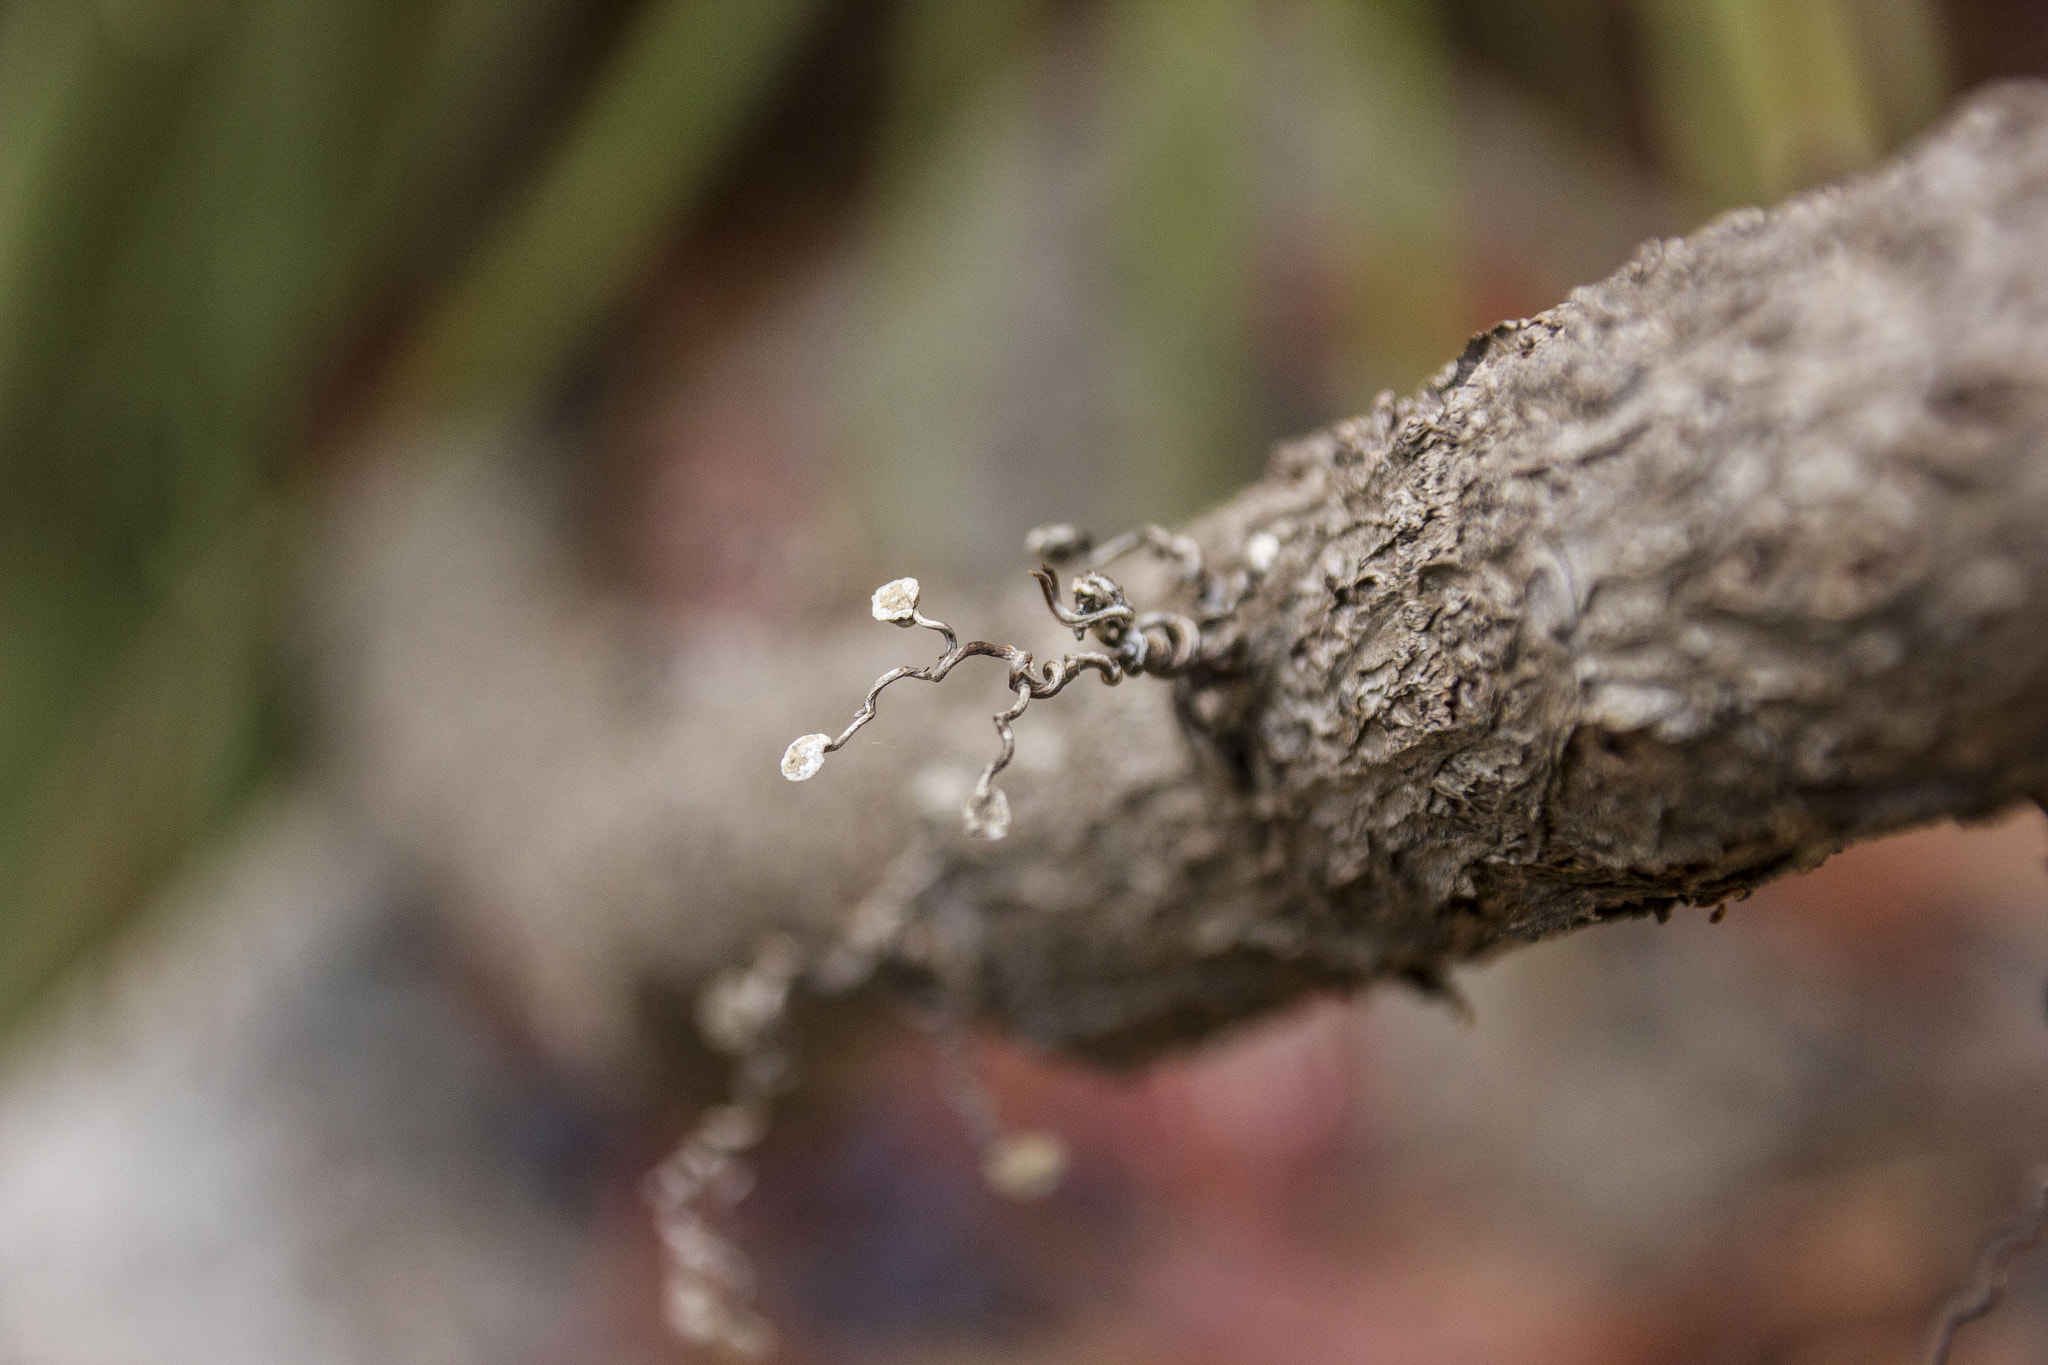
(1726, 562)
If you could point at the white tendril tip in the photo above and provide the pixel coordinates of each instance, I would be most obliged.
(896, 601)
(1025, 1165)
(988, 817)
(1261, 548)
(804, 756)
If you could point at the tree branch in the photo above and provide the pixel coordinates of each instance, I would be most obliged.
(1726, 562)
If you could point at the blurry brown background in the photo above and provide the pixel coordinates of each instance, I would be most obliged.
(743, 305)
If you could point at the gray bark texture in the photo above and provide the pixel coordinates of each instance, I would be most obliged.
(1726, 562)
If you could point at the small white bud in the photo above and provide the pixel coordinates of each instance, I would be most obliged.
(1025, 1165)
(988, 817)
(1260, 550)
(804, 756)
(896, 601)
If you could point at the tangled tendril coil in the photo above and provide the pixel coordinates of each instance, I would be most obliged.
(1161, 644)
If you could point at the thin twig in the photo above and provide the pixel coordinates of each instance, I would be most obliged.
(1988, 1278)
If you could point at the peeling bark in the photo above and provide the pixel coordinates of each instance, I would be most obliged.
(1726, 562)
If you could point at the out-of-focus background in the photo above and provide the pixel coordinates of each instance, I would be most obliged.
(671, 319)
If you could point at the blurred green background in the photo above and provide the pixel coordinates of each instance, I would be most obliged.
(243, 243)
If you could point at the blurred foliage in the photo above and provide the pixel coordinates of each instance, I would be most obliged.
(1377, 115)
(952, 231)
(1180, 106)
(197, 202)
(1757, 97)
(234, 232)
(626, 169)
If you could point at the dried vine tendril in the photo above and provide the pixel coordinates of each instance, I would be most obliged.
(708, 1283)
(708, 1287)
(1163, 644)
(1988, 1277)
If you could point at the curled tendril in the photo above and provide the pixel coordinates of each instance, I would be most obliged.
(1157, 643)
(1063, 544)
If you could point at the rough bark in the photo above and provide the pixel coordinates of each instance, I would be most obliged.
(1726, 562)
